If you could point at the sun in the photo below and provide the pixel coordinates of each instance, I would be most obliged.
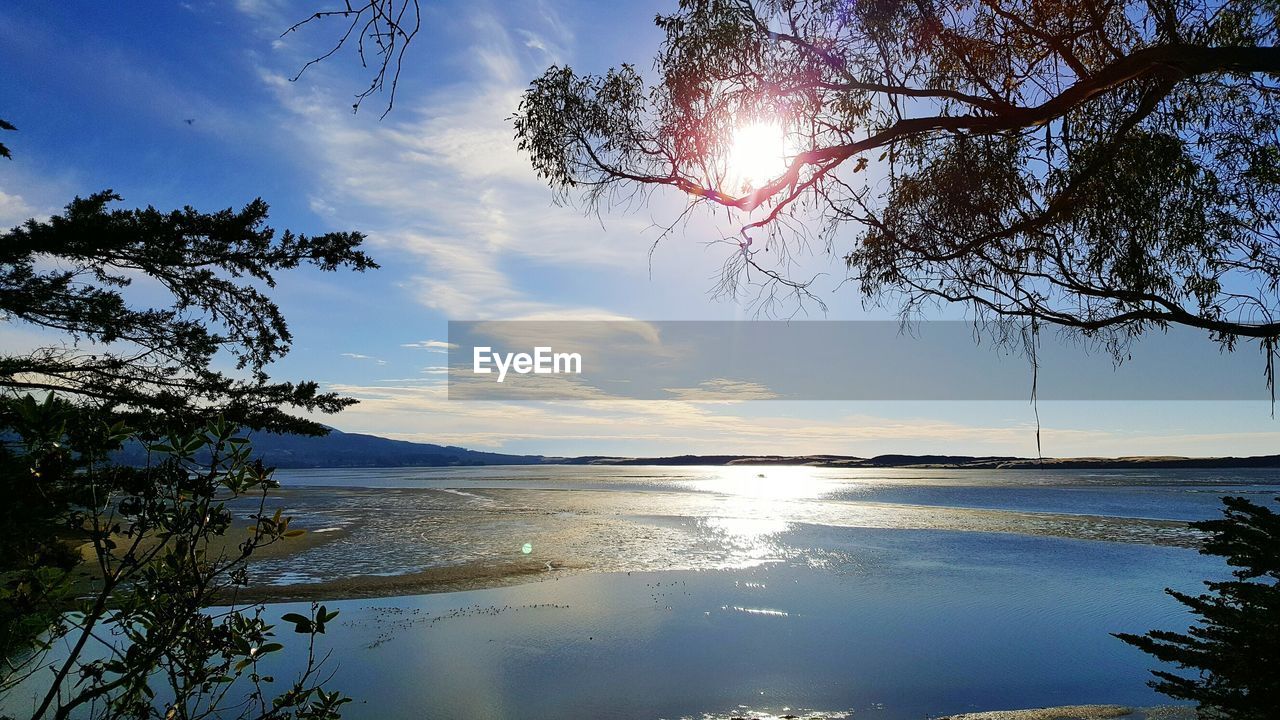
(757, 154)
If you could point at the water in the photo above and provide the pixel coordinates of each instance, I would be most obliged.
(740, 592)
(907, 624)
(392, 521)
(725, 592)
(1152, 493)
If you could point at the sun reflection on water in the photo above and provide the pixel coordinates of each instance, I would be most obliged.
(766, 482)
(746, 541)
(653, 519)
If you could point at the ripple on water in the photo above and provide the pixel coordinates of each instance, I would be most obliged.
(409, 530)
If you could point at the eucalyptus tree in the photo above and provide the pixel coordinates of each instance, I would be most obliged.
(1108, 166)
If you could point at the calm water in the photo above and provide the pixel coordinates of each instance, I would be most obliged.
(391, 521)
(722, 592)
(726, 592)
(911, 624)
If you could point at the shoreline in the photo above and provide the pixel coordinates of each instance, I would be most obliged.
(430, 581)
(1083, 712)
(485, 575)
(938, 462)
(466, 577)
(841, 462)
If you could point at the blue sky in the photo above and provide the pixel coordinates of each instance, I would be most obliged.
(101, 94)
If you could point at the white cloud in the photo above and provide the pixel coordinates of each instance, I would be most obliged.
(359, 356)
(14, 210)
(426, 414)
(723, 390)
(534, 42)
(443, 181)
(261, 9)
(439, 346)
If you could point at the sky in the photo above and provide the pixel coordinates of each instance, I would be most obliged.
(192, 103)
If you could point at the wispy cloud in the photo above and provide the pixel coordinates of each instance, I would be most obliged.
(442, 179)
(437, 346)
(723, 390)
(425, 413)
(268, 11)
(360, 356)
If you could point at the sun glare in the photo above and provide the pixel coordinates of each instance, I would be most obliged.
(757, 155)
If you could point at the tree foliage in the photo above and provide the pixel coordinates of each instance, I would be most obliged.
(127, 634)
(69, 275)
(156, 329)
(1235, 647)
(1110, 166)
(4, 151)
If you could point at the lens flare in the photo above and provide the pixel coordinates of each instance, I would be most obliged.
(757, 154)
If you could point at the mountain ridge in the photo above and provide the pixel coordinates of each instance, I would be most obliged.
(342, 449)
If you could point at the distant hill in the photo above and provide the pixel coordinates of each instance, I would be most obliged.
(340, 449)
(811, 460)
(960, 462)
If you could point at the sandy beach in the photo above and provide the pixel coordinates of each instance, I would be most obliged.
(433, 580)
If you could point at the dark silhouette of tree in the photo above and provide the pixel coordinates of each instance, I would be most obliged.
(4, 151)
(116, 564)
(1109, 166)
(380, 30)
(1235, 647)
(128, 633)
(116, 567)
(69, 274)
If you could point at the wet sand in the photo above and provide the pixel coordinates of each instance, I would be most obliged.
(470, 576)
(432, 580)
(89, 574)
(1063, 712)
(1082, 712)
(371, 542)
